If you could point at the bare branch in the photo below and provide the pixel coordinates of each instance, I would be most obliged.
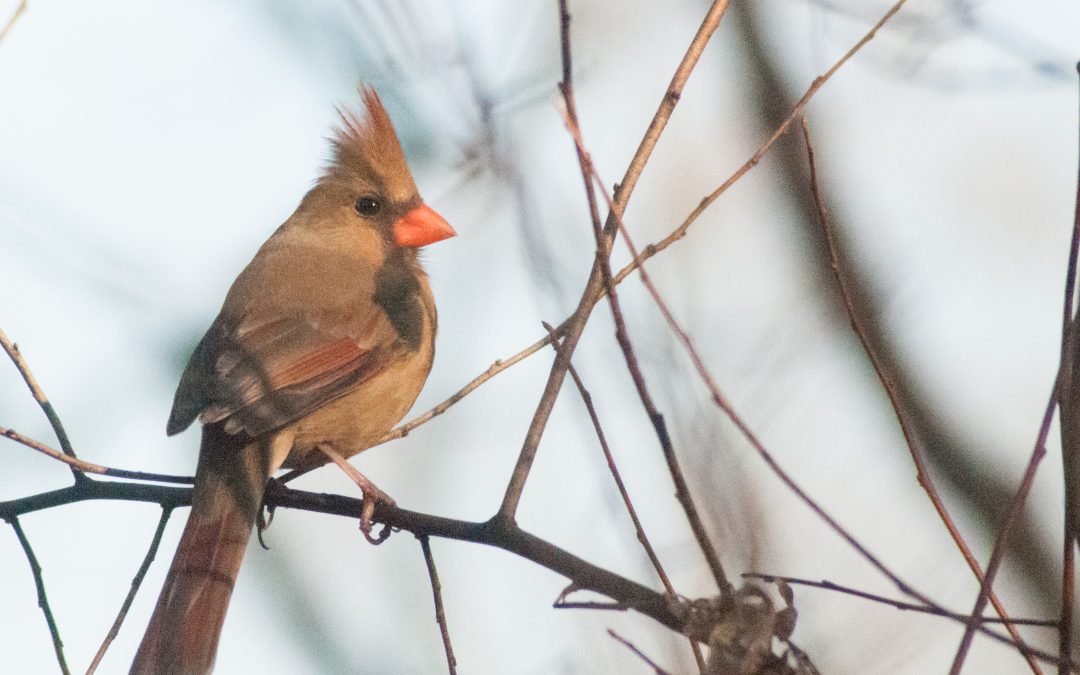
(898, 604)
(584, 576)
(667, 106)
(586, 398)
(622, 335)
(592, 293)
(43, 599)
(721, 401)
(1066, 394)
(440, 614)
(1070, 440)
(637, 652)
(39, 395)
(922, 471)
(671, 96)
(82, 466)
(998, 552)
(494, 369)
(136, 583)
(496, 532)
(680, 231)
(14, 17)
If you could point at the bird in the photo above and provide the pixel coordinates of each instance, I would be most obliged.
(322, 345)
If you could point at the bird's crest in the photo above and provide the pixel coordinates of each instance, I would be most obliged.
(366, 145)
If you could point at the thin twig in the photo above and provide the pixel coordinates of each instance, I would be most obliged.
(699, 658)
(922, 471)
(652, 249)
(1070, 440)
(1066, 393)
(11, 22)
(666, 107)
(82, 466)
(136, 583)
(680, 231)
(498, 366)
(589, 604)
(997, 554)
(721, 402)
(586, 398)
(593, 288)
(637, 652)
(440, 614)
(898, 604)
(1068, 581)
(39, 395)
(43, 600)
(566, 88)
(622, 337)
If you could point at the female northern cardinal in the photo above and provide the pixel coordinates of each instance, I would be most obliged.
(323, 344)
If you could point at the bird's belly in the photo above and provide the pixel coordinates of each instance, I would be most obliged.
(358, 419)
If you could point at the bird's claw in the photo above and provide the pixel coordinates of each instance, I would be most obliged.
(367, 510)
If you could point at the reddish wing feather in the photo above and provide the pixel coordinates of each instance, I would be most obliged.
(326, 360)
(275, 373)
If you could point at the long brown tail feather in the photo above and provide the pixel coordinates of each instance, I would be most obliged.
(183, 634)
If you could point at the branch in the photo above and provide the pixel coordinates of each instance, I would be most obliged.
(796, 111)
(592, 293)
(922, 472)
(721, 402)
(136, 583)
(1070, 440)
(35, 390)
(83, 467)
(671, 97)
(657, 670)
(43, 599)
(496, 532)
(501, 534)
(622, 336)
(997, 554)
(14, 17)
(898, 604)
(663, 112)
(586, 398)
(440, 614)
(934, 610)
(494, 369)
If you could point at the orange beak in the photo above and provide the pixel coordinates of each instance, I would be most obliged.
(421, 226)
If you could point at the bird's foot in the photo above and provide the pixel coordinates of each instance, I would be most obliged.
(372, 496)
(264, 517)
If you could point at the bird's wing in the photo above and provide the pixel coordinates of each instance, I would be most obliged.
(264, 373)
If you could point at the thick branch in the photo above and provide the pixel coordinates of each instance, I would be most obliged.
(496, 532)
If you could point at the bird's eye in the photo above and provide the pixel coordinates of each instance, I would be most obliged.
(368, 205)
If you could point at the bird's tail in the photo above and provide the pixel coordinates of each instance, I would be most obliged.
(182, 637)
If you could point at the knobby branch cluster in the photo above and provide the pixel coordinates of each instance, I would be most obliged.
(740, 623)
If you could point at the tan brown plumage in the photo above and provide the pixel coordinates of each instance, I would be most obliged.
(324, 339)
